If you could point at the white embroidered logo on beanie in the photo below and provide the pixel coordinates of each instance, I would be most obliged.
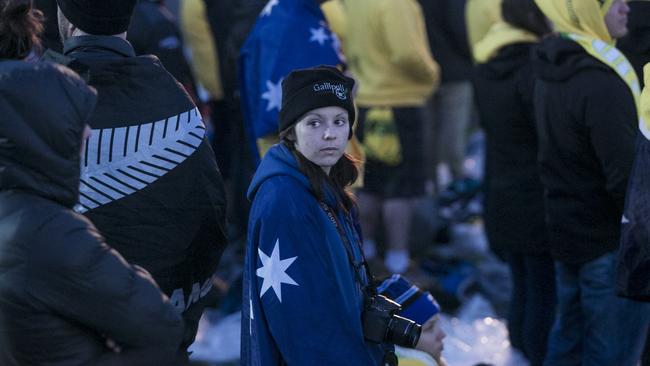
(339, 90)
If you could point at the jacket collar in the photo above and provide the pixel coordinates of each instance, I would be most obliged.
(97, 47)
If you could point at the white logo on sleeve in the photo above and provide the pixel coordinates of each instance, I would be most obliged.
(274, 271)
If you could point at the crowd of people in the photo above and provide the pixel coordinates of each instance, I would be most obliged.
(275, 151)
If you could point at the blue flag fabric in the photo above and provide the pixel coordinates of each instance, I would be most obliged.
(288, 35)
(302, 304)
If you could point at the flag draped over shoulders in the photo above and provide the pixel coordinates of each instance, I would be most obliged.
(302, 297)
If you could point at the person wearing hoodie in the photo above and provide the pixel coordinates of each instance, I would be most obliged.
(388, 52)
(66, 297)
(149, 181)
(305, 280)
(514, 195)
(586, 112)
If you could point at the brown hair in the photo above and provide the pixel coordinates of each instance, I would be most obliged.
(526, 15)
(342, 174)
(20, 26)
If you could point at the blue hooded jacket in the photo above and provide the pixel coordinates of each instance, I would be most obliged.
(302, 302)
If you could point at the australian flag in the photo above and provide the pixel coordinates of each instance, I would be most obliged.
(288, 35)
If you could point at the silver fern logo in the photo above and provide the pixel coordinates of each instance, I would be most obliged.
(121, 161)
(339, 90)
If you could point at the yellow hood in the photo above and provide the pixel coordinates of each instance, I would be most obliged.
(500, 35)
(582, 17)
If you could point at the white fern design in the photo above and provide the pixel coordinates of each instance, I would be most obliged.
(121, 161)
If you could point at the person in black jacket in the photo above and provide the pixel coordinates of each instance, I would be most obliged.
(149, 180)
(64, 293)
(514, 196)
(586, 117)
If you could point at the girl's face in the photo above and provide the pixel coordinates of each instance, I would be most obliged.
(322, 136)
(431, 338)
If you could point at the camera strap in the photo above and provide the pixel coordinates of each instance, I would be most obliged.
(358, 267)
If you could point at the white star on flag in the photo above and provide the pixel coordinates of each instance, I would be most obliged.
(318, 35)
(273, 95)
(274, 271)
(269, 7)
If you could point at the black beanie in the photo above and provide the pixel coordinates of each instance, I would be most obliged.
(317, 87)
(98, 17)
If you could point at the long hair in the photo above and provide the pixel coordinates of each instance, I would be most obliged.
(20, 27)
(526, 15)
(342, 174)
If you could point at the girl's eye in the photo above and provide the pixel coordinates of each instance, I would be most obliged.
(314, 123)
(340, 122)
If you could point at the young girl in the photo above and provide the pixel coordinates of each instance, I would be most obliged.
(305, 278)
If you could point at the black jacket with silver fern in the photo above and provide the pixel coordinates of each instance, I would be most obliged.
(149, 179)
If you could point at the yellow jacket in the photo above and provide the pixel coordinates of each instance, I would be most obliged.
(196, 33)
(388, 53)
(335, 16)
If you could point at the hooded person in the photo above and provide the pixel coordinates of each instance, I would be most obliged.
(513, 193)
(305, 278)
(149, 179)
(586, 113)
(63, 291)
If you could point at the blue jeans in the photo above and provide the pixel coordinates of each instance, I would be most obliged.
(594, 327)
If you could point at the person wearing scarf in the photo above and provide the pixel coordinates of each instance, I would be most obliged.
(514, 195)
(585, 102)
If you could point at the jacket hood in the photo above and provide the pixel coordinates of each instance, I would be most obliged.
(557, 59)
(44, 110)
(279, 161)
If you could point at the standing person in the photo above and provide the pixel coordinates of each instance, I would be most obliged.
(514, 195)
(307, 291)
(149, 179)
(388, 52)
(453, 101)
(63, 291)
(586, 116)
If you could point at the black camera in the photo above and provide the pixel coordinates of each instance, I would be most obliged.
(381, 324)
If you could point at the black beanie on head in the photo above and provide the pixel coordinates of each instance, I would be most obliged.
(317, 87)
(98, 17)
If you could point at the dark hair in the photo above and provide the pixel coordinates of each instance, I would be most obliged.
(342, 174)
(526, 15)
(20, 26)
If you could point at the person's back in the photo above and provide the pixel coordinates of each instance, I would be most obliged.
(63, 292)
(149, 179)
(388, 52)
(586, 148)
(586, 115)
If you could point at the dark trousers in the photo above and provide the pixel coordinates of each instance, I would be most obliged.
(532, 307)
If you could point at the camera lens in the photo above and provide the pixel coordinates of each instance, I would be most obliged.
(403, 332)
